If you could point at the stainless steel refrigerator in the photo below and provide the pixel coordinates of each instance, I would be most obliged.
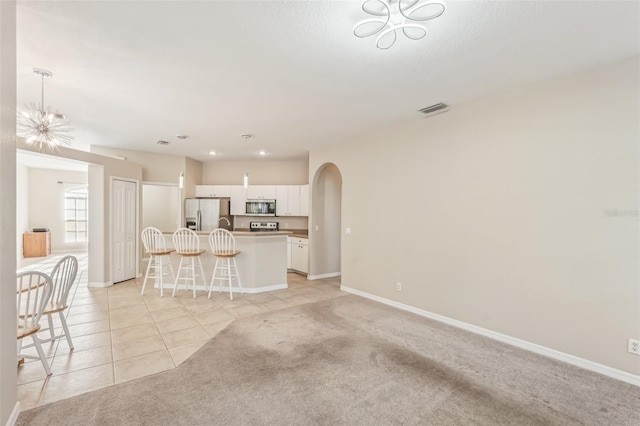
(207, 214)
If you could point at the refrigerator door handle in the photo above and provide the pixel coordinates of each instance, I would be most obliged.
(198, 224)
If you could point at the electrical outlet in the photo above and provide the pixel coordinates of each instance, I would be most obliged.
(399, 286)
(634, 346)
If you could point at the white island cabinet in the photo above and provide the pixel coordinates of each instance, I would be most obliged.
(262, 262)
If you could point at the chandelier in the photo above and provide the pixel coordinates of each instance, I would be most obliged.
(391, 16)
(40, 127)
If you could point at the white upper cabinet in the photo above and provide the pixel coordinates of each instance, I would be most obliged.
(261, 192)
(238, 200)
(288, 200)
(294, 200)
(218, 191)
(304, 200)
(282, 200)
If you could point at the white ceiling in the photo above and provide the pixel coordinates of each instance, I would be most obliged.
(291, 72)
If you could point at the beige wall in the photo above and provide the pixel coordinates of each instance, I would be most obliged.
(46, 198)
(155, 167)
(160, 205)
(22, 206)
(261, 172)
(517, 213)
(192, 176)
(8, 216)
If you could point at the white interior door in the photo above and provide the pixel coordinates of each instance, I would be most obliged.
(123, 220)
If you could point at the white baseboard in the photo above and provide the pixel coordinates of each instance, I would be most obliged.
(99, 285)
(321, 276)
(13, 418)
(71, 251)
(226, 289)
(523, 344)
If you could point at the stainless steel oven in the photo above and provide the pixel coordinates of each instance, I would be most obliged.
(260, 208)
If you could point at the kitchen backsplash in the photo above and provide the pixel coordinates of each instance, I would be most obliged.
(286, 222)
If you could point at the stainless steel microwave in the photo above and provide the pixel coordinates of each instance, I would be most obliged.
(260, 208)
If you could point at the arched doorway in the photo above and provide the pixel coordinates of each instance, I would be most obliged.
(326, 223)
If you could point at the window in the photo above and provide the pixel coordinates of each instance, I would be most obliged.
(75, 215)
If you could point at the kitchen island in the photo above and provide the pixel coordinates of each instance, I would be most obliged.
(262, 262)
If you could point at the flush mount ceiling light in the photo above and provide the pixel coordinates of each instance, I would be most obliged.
(212, 153)
(181, 136)
(246, 136)
(163, 142)
(390, 16)
(263, 153)
(41, 127)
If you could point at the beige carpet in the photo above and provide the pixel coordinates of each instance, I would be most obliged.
(356, 362)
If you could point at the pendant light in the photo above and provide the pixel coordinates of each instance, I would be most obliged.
(245, 180)
(40, 127)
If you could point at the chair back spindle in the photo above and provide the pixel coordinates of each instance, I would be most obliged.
(186, 241)
(63, 277)
(34, 292)
(222, 241)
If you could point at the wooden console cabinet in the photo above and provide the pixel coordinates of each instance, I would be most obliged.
(36, 244)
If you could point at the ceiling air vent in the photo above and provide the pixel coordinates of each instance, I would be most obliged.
(163, 142)
(433, 108)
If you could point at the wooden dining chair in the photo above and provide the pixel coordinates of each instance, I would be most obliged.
(33, 293)
(63, 277)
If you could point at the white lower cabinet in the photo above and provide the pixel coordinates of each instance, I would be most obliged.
(300, 254)
(289, 252)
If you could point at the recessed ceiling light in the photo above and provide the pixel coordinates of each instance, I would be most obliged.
(263, 153)
(182, 136)
(163, 142)
(212, 153)
(246, 135)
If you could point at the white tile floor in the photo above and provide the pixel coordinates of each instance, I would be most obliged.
(119, 335)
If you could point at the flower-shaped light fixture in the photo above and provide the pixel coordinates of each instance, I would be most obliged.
(45, 129)
(390, 16)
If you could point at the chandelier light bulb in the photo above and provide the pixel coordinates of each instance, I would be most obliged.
(391, 16)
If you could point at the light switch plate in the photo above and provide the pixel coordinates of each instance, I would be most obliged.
(347, 231)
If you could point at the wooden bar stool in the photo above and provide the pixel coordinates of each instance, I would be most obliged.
(223, 247)
(188, 248)
(155, 246)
